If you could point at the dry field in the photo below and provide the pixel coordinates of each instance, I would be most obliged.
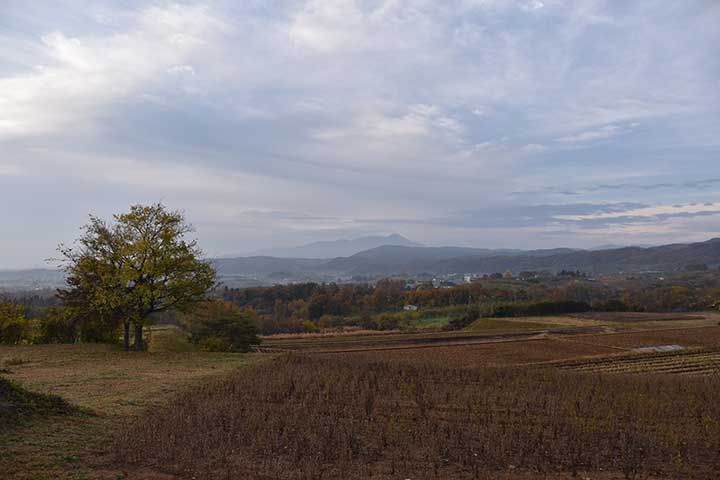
(492, 329)
(355, 417)
(687, 337)
(632, 317)
(483, 404)
(684, 362)
(501, 353)
(110, 386)
(394, 340)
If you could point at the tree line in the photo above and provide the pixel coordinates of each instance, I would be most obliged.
(311, 306)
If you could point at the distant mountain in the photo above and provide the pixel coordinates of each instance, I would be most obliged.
(37, 278)
(336, 248)
(666, 258)
(389, 260)
(402, 260)
(395, 260)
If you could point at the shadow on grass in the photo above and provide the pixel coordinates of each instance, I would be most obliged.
(18, 405)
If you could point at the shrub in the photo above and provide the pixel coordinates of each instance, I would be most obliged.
(310, 326)
(58, 325)
(220, 326)
(67, 325)
(539, 308)
(614, 305)
(214, 344)
(14, 327)
(465, 320)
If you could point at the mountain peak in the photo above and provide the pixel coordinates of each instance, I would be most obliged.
(338, 248)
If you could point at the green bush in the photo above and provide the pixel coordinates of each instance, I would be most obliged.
(539, 309)
(67, 325)
(220, 326)
(214, 344)
(465, 320)
(615, 305)
(310, 326)
(58, 325)
(14, 327)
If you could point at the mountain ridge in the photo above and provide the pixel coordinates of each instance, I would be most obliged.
(336, 248)
(390, 260)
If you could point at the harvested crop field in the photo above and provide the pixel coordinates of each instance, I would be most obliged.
(391, 341)
(303, 417)
(687, 337)
(631, 317)
(692, 362)
(492, 353)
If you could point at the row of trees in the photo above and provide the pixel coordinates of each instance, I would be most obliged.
(309, 306)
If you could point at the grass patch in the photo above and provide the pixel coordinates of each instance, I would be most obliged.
(431, 322)
(103, 379)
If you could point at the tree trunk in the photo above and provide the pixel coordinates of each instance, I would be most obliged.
(126, 338)
(139, 337)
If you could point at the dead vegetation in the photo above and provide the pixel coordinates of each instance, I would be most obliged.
(688, 337)
(687, 362)
(306, 417)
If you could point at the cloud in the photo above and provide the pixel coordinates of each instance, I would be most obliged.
(459, 121)
(9, 170)
(80, 75)
(604, 132)
(649, 212)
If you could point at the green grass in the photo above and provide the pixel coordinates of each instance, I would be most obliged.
(431, 322)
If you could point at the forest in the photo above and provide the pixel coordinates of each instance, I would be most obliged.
(310, 306)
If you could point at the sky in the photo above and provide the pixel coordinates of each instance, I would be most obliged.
(269, 123)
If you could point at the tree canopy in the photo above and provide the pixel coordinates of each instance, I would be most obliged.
(13, 324)
(139, 264)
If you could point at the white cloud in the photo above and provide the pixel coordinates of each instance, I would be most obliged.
(534, 5)
(606, 131)
(347, 108)
(181, 69)
(421, 121)
(81, 75)
(649, 212)
(9, 170)
(533, 148)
